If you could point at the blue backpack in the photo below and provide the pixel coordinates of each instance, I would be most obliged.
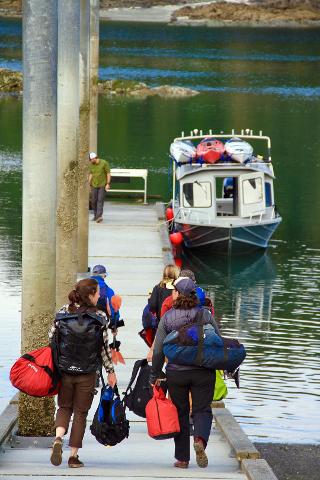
(199, 345)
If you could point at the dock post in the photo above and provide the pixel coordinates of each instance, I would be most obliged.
(94, 74)
(67, 147)
(39, 197)
(84, 132)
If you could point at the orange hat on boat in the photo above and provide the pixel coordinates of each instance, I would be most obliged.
(116, 302)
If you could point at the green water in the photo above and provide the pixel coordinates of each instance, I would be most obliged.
(259, 79)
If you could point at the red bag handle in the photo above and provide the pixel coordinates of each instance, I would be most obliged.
(158, 392)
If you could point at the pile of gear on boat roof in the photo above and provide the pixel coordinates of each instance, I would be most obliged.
(210, 150)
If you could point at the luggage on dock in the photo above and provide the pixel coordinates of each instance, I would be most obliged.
(198, 344)
(137, 397)
(34, 373)
(162, 416)
(110, 425)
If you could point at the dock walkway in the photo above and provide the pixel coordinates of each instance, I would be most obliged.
(128, 243)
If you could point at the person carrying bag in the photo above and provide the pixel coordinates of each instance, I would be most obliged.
(79, 338)
(185, 379)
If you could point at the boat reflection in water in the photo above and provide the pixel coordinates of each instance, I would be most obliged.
(240, 287)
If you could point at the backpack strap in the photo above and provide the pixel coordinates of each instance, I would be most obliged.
(199, 318)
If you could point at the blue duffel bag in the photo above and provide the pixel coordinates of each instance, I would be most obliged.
(204, 348)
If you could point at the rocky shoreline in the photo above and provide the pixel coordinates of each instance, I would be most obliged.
(11, 82)
(250, 13)
(277, 13)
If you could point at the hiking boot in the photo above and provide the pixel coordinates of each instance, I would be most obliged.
(99, 219)
(74, 462)
(56, 455)
(181, 464)
(201, 456)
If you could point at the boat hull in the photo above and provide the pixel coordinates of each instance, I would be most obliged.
(226, 240)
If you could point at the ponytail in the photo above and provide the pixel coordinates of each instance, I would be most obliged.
(79, 296)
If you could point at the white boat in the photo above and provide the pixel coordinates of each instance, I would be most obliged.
(183, 151)
(238, 149)
(229, 206)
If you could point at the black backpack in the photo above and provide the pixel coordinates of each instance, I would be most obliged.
(77, 342)
(137, 397)
(110, 425)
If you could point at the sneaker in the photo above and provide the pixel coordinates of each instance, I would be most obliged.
(99, 219)
(74, 462)
(94, 219)
(201, 456)
(56, 455)
(181, 464)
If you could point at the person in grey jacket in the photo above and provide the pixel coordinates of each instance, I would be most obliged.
(184, 380)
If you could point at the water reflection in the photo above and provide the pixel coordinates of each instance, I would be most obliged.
(258, 300)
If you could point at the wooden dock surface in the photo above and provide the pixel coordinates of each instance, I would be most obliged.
(129, 244)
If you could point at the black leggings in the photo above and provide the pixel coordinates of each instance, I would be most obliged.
(200, 383)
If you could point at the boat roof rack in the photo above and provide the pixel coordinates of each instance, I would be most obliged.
(246, 133)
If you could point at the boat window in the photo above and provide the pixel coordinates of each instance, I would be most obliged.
(267, 188)
(197, 194)
(252, 191)
(226, 196)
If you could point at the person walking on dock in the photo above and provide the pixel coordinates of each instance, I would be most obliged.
(201, 294)
(160, 292)
(78, 361)
(99, 180)
(185, 379)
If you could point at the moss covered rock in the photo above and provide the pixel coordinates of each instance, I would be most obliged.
(10, 81)
(131, 88)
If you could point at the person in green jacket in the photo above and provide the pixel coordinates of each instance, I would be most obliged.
(99, 180)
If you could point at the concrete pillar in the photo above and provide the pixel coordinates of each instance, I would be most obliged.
(67, 147)
(39, 196)
(83, 186)
(94, 73)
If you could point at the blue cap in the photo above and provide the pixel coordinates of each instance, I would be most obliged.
(99, 269)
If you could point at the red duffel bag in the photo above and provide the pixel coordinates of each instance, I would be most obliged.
(162, 416)
(34, 373)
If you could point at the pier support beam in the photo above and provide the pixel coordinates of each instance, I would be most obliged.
(67, 147)
(94, 73)
(83, 186)
(39, 196)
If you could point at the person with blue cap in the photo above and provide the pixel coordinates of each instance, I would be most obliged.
(106, 292)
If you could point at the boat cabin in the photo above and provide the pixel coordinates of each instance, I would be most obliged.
(224, 192)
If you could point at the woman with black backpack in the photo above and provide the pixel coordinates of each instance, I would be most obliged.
(183, 380)
(80, 344)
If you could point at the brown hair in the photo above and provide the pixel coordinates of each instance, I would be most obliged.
(80, 296)
(186, 302)
(170, 272)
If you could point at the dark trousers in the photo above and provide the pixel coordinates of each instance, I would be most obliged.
(200, 383)
(97, 201)
(75, 397)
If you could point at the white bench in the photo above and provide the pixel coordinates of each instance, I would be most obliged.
(131, 173)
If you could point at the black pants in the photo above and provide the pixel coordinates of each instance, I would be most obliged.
(97, 201)
(200, 383)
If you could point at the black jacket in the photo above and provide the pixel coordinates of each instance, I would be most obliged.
(158, 296)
